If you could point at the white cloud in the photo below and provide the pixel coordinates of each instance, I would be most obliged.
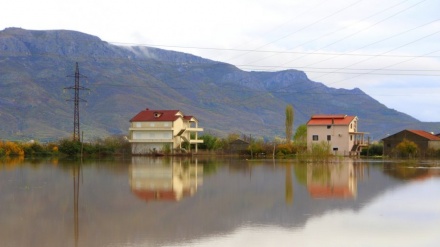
(342, 27)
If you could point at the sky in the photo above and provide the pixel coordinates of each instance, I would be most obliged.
(389, 49)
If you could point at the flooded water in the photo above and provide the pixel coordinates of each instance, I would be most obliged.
(219, 202)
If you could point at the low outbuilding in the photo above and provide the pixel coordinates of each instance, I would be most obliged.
(423, 139)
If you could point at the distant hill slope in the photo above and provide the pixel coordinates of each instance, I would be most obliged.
(35, 65)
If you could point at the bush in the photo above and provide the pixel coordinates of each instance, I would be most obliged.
(70, 147)
(11, 149)
(284, 149)
(407, 148)
(210, 142)
(375, 149)
(321, 149)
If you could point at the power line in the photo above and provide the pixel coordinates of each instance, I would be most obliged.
(333, 32)
(305, 27)
(76, 99)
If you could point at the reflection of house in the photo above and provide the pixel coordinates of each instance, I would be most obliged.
(162, 179)
(339, 131)
(332, 180)
(423, 139)
(153, 130)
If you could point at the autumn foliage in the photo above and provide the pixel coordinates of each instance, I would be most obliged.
(10, 149)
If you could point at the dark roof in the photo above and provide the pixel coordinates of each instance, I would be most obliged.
(239, 141)
(420, 133)
(148, 115)
(425, 134)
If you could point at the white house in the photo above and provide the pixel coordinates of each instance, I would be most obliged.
(151, 131)
(339, 131)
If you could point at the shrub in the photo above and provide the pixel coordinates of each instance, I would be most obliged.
(407, 148)
(69, 147)
(11, 148)
(285, 148)
(321, 149)
(375, 149)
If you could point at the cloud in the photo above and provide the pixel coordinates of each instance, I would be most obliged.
(269, 35)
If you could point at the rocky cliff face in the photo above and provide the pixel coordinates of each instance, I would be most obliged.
(35, 65)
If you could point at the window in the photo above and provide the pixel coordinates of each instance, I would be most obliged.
(351, 137)
(329, 137)
(329, 126)
(315, 137)
(138, 125)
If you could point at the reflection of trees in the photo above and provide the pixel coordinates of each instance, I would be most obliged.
(321, 174)
(409, 171)
(289, 184)
(9, 163)
(301, 173)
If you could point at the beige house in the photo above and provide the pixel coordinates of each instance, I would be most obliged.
(339, 131)
(152, 131)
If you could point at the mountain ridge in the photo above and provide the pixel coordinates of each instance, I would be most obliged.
(34, 66)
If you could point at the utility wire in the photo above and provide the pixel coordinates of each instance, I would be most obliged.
(370, 44)
(333, 32)
(305, 27)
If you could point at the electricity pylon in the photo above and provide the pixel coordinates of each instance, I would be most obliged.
(76, 99)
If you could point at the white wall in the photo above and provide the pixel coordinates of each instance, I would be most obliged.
(152, 135)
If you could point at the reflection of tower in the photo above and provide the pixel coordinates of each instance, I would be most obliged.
(164, 179)
(289, 184)
(76, 173)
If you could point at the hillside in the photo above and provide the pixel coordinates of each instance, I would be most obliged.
(35, 65)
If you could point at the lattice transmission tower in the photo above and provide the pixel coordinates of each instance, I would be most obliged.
(76, 99)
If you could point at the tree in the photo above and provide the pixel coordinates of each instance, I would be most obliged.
(407, 148)
(210, 142)
(300, 138)
(301, 134)
(289, 122)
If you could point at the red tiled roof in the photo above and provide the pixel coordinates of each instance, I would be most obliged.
(425, 134)
(153, 195)
(189, 118)
(148, 115)
(317, 191)
(160, 195)
(337, 119)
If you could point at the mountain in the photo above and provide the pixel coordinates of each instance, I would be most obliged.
(37, 66)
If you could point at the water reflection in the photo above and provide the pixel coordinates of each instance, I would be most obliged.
(76, 176)
(164, 179)
(335, 180)
(241, 203)
(412, 171)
